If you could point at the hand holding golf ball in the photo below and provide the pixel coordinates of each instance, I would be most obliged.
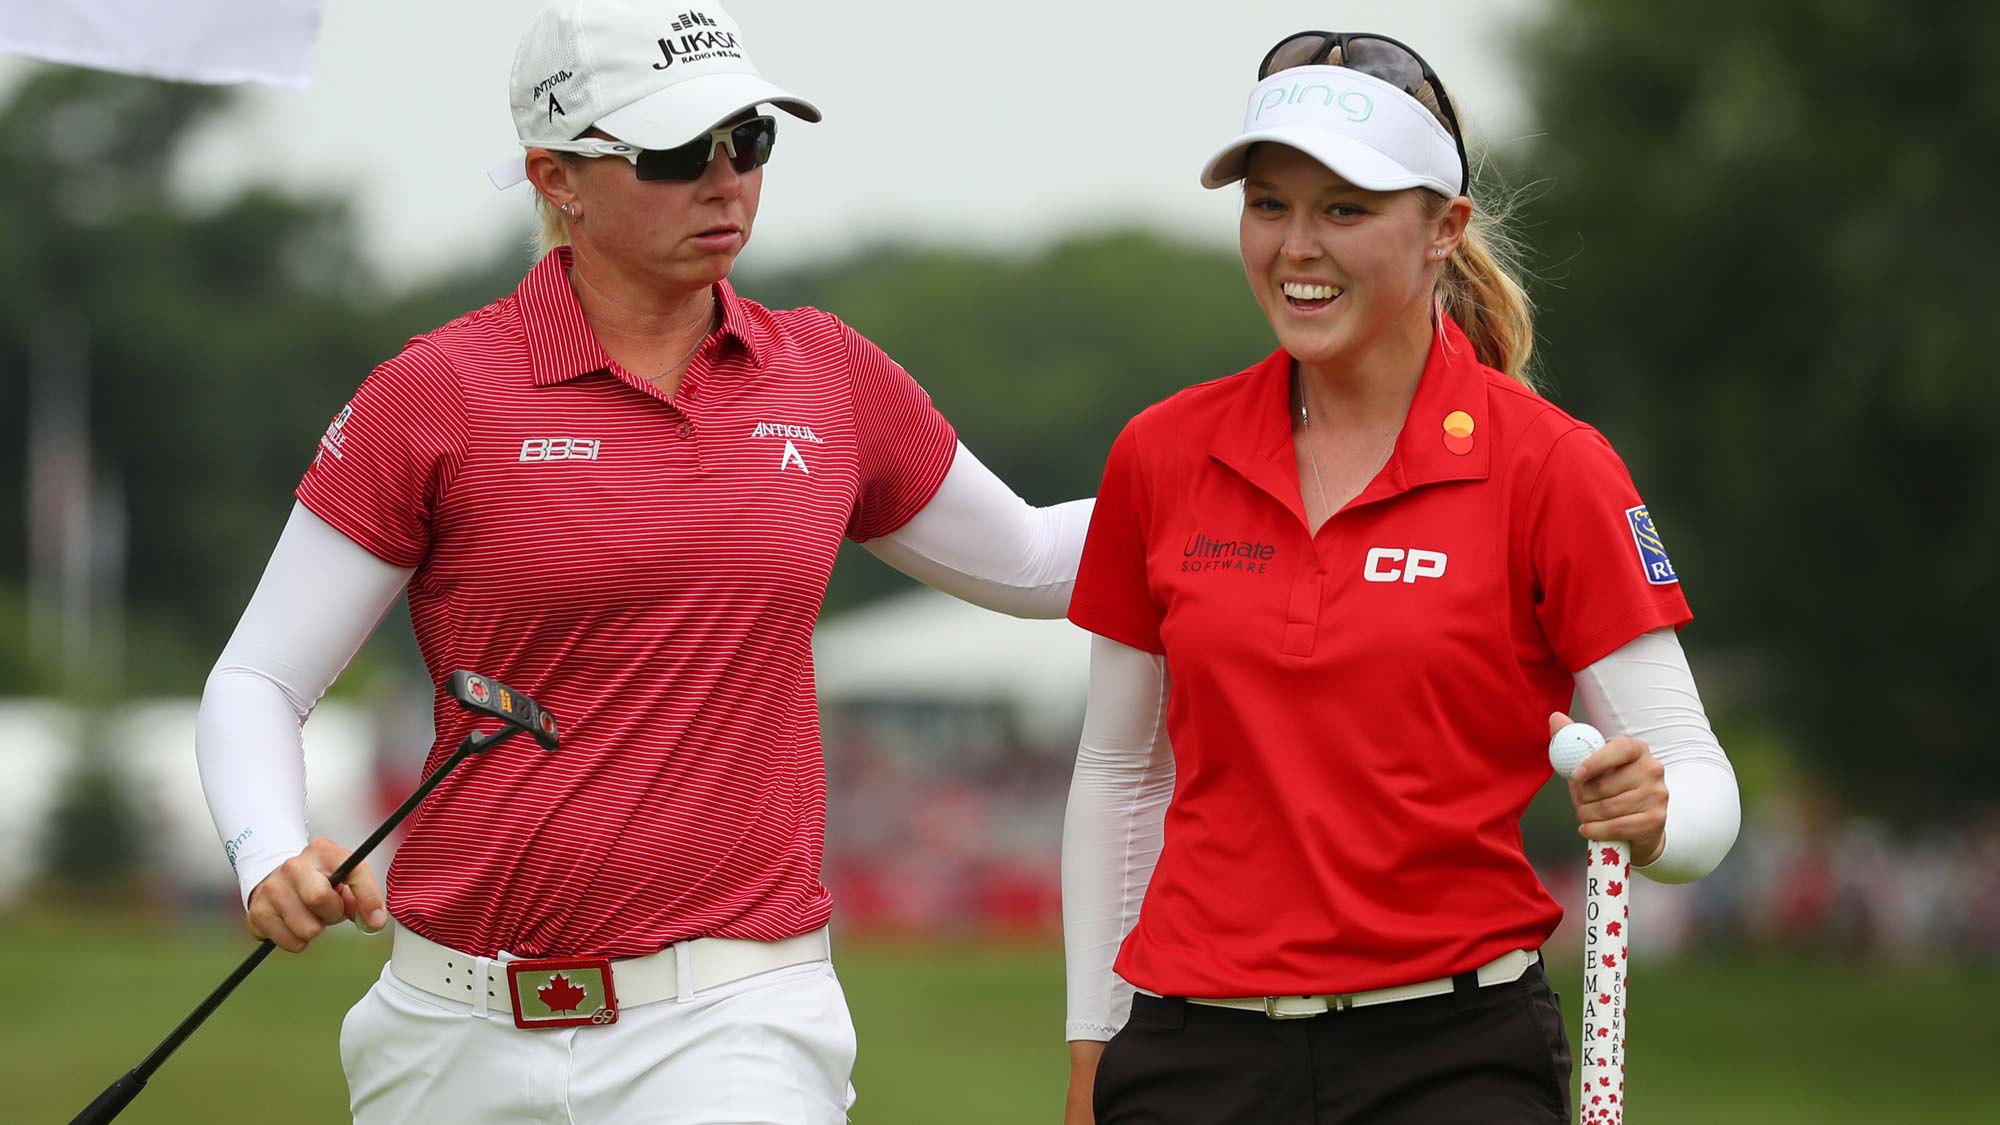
(1606, 781)
(1617, 787)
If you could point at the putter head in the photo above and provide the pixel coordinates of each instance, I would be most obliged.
(483, 695)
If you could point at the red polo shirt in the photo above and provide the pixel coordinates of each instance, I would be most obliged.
(648, 568)
(1360, 716)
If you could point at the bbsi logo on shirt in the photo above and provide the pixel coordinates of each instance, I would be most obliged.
(560, 449)
(1393, 564)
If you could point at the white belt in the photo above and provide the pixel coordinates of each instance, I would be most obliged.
(674, 973)
(1501, 970)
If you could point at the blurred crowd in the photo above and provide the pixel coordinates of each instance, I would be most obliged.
(934, 842)
(1804, 875)
(945, 820)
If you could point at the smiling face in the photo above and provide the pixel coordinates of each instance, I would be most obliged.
(683, 235)
(1339, 269)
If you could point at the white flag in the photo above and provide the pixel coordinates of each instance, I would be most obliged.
(216, 41)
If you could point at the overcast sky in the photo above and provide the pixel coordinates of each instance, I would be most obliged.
(987, 125)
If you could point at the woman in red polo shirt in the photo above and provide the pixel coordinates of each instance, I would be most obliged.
(621, 490)
(1340, 599)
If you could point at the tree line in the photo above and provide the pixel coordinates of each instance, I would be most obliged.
(1760, 276)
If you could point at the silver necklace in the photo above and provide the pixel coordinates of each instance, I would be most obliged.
(699, 341)
(1305, 426)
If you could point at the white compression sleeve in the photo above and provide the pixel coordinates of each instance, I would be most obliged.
(1645, 691)
(978, 541)
(322, 594)
(1113, 828)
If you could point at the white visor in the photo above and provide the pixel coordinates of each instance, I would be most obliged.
(1368, 132)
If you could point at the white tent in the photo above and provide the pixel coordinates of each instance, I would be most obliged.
(924, 646)
(34, 758)
(150, 746)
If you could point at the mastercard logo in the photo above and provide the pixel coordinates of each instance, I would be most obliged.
(1458, 432)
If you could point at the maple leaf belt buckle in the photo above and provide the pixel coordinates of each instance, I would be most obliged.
(562, 992)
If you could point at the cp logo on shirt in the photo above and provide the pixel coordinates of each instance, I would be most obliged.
(1393, 564)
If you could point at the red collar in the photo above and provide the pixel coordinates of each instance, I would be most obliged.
(1254, 433)
(560, 343)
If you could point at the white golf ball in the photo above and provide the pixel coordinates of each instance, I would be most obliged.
(1571, 745)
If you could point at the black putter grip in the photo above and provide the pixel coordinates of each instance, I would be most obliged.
(112, 1101)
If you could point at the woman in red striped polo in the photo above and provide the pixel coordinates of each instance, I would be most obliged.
(621, 490)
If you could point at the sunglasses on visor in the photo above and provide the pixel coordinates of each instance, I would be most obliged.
(1377, 56)
(747, 143)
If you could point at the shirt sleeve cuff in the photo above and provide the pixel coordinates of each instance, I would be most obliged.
(1088, 1030)
(1119, 627)
(1667, 613)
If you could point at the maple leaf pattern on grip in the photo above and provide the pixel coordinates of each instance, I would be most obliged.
(560, 995)
(1610, 857)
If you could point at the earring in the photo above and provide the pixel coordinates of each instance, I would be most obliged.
(570, 210)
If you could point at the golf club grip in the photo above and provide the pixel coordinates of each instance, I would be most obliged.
(112, 1101)
(1607, 948)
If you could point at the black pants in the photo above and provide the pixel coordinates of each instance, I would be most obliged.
(1481, 1056)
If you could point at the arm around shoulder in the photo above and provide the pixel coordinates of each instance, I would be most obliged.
(978, 541)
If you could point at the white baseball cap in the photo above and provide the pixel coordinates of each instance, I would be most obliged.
(1369, 132)
(652, 73)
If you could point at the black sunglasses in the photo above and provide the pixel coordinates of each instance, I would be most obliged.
(1377, 56)
(748, 144)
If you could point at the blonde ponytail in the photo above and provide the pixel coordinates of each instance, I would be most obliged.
(1479, 288)
(1480, 285)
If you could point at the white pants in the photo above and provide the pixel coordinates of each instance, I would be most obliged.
(772, 1049)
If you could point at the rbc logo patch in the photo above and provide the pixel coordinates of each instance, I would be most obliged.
(1652, 553)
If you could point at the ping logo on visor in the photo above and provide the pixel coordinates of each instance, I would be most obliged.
(1367, 131)
(1353, 102)
(1652, 553)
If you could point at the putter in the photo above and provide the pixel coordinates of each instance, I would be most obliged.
(478, 694)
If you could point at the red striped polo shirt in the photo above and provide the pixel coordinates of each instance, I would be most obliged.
(650, 569)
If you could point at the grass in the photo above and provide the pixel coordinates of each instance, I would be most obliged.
(972, 1034)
